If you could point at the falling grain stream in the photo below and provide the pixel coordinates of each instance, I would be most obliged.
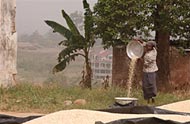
(131, 76)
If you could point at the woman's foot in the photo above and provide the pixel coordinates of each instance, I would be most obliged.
(148, 101)
(153, 100)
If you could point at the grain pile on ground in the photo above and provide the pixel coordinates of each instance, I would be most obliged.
(90, 117)
(183, 106)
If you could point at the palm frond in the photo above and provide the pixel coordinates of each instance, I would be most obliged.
(70, 23)
(60, 29)
(62, 64)
(64, 43)
(88, 22)
(69, 51)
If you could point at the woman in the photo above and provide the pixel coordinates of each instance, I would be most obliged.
(149, 72)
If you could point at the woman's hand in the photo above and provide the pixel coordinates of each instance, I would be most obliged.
(138, 39)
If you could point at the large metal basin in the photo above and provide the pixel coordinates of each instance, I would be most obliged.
(135, 49)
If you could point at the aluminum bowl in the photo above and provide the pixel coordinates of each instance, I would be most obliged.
(135, 50)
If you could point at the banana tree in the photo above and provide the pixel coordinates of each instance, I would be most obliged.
(75, 44)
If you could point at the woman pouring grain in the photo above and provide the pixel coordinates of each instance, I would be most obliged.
(149, 72)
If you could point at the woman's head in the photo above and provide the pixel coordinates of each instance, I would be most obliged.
(150, 45)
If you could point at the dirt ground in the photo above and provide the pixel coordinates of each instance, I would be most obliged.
(20, 114)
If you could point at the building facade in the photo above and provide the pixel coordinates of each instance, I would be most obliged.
(101, 63)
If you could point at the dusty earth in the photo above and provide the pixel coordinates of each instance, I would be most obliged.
(20, 114)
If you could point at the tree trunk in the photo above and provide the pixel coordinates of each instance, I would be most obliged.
(120, 66)
(8, 43)
(87, 73)
(88, 76)
(162, 39)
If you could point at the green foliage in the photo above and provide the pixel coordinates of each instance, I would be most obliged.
(117, 21)
(75, 42)
(185, 44)
(88, 27)
(124, 19)
(172, 15)
(60, 29)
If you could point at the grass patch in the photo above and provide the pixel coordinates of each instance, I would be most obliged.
(50, 98)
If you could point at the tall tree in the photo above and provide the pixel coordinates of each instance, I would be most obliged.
(168, 18)
(76, 44)
(116, 22)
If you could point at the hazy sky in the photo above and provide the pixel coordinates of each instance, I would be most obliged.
(32, 13)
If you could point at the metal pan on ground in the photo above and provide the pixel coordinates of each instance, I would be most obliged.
(126, 100)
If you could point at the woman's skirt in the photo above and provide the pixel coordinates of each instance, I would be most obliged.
(149, 85)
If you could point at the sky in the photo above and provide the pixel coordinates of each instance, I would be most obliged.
(30, 14)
